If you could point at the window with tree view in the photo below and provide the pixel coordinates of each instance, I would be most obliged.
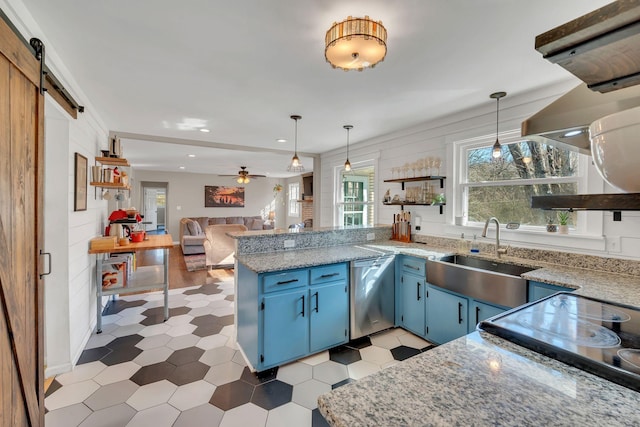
(503, 187)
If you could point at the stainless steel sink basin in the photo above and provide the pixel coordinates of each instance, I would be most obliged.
(486, 264)
(494, 282)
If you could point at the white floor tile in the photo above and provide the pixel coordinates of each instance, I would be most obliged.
(289, 415)
(177, 331)
(99, 340)
(376, 355)
(387, 341)
(154, 355)
(158, 416)
(182, 319)
(184, 341)
(153, 341)
(70, 394)
(411, 340)
(330, 372)
(203, 415)
(81, 373)
(150, 395)
(248, 415)
(295, 373)
(153, 330)
(115, 373)
(130, 320)
(212, 341)
(216, 356)
(361, 369)
(125, 330)
(224, 373)
(306, 393)
(191, 395)
(316, 359)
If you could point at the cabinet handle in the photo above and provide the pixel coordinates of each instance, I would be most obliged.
(287, 281)
(459, 312)
(477, 315)
(302, 306)
(411, 267)
(325, 276)
(418, 290)
(317, 301)
(48, 255)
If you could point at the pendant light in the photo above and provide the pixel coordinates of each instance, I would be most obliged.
(296, 165)
(497, 148)
(347, 164)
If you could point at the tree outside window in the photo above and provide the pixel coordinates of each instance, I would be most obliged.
(503, 188)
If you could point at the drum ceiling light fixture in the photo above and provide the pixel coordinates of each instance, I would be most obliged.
(355, 44)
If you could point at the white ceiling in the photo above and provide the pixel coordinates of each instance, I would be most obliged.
(162, 69)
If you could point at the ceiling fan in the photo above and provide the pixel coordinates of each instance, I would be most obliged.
(244, 176)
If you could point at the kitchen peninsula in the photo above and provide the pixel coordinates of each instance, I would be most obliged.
(478, 379)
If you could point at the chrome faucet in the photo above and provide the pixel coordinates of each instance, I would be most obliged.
(499, 250)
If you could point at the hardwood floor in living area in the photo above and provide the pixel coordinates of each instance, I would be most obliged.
(179, 276)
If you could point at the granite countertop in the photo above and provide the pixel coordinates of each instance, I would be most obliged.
(284, 260)
(480, 380)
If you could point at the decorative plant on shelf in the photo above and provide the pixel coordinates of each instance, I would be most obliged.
(276, 190)
(551, 226)
(563, 218)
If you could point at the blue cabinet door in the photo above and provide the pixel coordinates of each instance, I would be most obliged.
(447, 316)
(285, 327)
(480, 311)
(412, 295)
(329, 315)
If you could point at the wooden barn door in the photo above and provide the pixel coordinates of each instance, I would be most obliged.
(21, 184)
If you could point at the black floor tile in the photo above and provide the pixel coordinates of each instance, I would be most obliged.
(403, 352)
(208, 289)
(207, 319)
(272, 394)
(207, 330)
(93, 354)
(232, 395)
(317, 420)
(188, 373)
(176, 311)
(225, 320)
(121, 355)
(152, 373)
(185, 355)
(154, 319)
(230, 298)
(343, 382)
(124, 342)
(344, 355)
(255, 378)
(115, 307)
(55, 385)
(359, 343)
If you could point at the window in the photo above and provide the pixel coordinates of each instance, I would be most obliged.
(355, 196)
(503, 188)
(294, 195)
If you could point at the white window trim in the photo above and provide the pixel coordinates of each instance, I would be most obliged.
(293, 210)
(337, 188)
(588, 235)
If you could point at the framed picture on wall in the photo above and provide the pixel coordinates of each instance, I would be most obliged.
(80, 183)
(223, 197)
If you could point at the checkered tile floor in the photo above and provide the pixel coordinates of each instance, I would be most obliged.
(187, 371)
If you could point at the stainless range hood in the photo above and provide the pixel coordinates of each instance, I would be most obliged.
(572, 113)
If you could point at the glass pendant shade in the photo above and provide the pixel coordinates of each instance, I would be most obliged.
(496, 152)
(296, 164)
(347, 164)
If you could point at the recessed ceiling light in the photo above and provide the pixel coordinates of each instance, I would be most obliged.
(191, 155)
(205, 130)
(181, 167)
(281, 140)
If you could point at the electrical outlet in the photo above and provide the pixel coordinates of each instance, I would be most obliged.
(371, 236)
(289, 244)
(613, 243)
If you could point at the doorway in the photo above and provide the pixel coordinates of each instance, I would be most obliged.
(154, 206)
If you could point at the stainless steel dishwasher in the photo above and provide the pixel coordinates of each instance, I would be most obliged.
(372, 295)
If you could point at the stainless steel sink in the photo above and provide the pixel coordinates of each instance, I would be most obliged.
(494, 282)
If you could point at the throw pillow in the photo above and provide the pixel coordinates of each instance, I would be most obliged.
(197, 228)
(191, 227)
(204, 222)
(256, 224)
(235, 220)
(217, 220)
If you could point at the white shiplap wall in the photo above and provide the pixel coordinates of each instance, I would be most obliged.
(436, 138)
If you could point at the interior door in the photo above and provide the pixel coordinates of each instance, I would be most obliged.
(150, 209)
(21, 198)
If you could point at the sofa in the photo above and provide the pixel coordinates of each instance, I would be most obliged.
(192, 229)
(220, 248)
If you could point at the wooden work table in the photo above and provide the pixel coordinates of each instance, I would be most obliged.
(145, 278)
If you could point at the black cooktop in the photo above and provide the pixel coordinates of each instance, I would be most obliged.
(598, 336)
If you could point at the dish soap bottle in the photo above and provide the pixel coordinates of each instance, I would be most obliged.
(474, 245)
(462, 244)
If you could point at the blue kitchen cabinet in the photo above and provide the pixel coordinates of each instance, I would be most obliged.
(328, 315)
(538, 290)
(479, 311)
(286, 315)
(285, 331)
(411, 294)
(447, 315)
